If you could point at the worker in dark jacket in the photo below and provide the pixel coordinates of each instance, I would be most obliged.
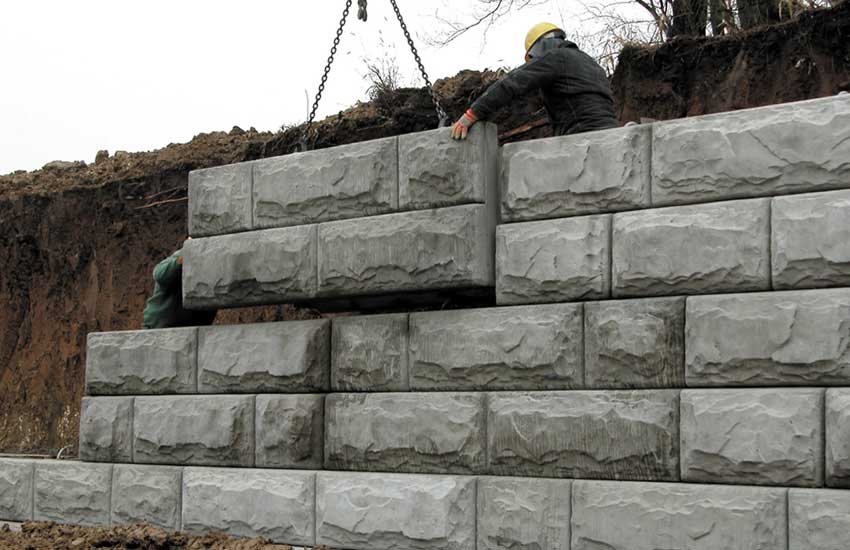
(165, 307)
(574, 87)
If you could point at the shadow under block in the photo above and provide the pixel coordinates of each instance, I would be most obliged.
(106, 429)
(369, 353)
(146, 494)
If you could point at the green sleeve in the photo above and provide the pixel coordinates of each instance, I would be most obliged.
(167, 273)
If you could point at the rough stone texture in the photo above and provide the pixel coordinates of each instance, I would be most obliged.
(149, 494)
(435, 170)
(199, 430)
(279, 505)
(838, 438)
(609, 435)
(651, 516)
(635, 343)
(288, 357)
(106, 429)
(349, 181)
(553, 260)
(773, 338)
(141, 362)
(432, 249)
(810, 243)
(526, 347)
(702, 249)
(405, 432)
(753, 436)
(387, 512)
(72, 492)
(528, 514)
(290, 431)
(818, 519)
(580, 174)
(369, 353)
(220, 200)
(17, 478)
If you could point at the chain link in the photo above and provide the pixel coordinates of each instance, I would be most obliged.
(362, 14)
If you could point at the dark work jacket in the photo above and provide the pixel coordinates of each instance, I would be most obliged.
(574, 87)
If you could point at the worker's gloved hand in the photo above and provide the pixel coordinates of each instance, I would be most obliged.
(463, 124)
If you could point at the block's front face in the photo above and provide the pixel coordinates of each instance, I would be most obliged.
(818, 519)
(528, 347)
(106, 429)
(146, 494)
(838, 438)
(17, 478)
(72, 492)
(220, 200)
(370, 353)
(290, 431)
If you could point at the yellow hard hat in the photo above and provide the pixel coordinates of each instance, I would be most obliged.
(537, 31)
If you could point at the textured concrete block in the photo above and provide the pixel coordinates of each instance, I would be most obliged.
(17, 482)
(390, 511)
(435, 170)
(581, 174)
(278, 505)
(290, 431)
(838, 438)
(141, 362)
(803, 146)
(553, 260)
(810, 239)
(526, 347)
(349, 181)
(106, 429)
(220, 200)
(369, 353)
(818, 519)
(753, 436)
(72, 492)
(523, 513)
(199, 430)
(610, 435)
(650, 516)
(773, 338)
(254, 268)
(635, 343)
(146, 494)
(710, 248)
(288, 357)
(405, 432)
(432, 249)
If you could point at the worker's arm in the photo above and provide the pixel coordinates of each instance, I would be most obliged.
(168, 272)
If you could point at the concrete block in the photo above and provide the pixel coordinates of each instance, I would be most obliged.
(818, 519)
(17, 482)
(72, 492)
(405, 432)
(702, 249)
(580, 174)
(635, 343)
(753, 436)
(588, 434)
(523, 513)
(142, 362)
(391, 511)
(348, 181)
(522, 348)
(769, 339)
(278, 505)
(774, 150)
(553, 260)
(838, 437)
(369, 353)
(106, 429)
(201, 430)
(220, 200)
(288, 357)
(146, 494)
(651, 516)
(290, 431)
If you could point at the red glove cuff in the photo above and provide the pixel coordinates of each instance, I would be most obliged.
(470, 114)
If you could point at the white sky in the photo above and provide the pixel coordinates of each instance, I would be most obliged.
(77, 76)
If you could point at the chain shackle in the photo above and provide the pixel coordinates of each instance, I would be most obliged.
(362, 14)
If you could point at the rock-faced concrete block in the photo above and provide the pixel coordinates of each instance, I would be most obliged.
(369, 353)
(553, 260)
(349, 181)
(141, 362)
(521, 348)
(278, 505)
(288, 357)
(435, 170)
(594, 434)
(106, 429)
(146, 494)
(17, 482)
(702, 249)
(390, 511)
(818, 519)
(405, 432)
(580, 174)
(635, 343)
(220, 200)
(199, 430)
(72, 492)
(769, 339)
(753, 436)
(774, 150)
(523, 513)
(290, 431)
(650, 516)
(838, 437)
(810, 240)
